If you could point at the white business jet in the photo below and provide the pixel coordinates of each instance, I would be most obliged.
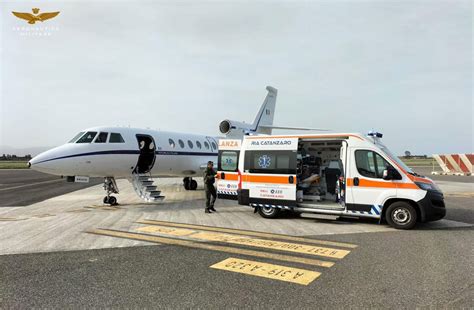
(142, 154)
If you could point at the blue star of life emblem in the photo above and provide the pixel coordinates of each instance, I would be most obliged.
(264, 161)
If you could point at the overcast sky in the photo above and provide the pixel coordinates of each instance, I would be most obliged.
(403, 68)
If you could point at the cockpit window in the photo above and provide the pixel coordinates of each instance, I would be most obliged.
(88, 137)
(116, 138)
(76, 137)
(102, 137)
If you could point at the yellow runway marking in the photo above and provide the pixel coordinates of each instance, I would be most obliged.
(248, 241)
(250, 233)
(270, 271)
(211, 247)
(43, 215)
(167, 231)
(270, 244)
(10, 219)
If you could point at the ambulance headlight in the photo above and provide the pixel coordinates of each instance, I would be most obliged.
(428, 186)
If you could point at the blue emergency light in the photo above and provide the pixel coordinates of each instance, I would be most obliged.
(375, 134)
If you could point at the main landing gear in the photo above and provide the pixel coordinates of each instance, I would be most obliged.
(110, 186)
(190, 184)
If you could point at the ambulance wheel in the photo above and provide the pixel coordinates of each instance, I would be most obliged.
(401, 215)
(268, 212)
(112, 201)
(193, 185)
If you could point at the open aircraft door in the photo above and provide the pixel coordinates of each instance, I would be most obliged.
(269, 173)
(228, 175)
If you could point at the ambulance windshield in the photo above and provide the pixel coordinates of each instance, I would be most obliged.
(395, 158)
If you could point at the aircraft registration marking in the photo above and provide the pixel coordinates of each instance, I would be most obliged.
(270, 271)
(271, 244)
(248, 241)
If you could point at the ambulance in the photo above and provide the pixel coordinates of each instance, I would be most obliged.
(346, 175)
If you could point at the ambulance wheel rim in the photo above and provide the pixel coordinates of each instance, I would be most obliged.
(401, 216)
(267, 210)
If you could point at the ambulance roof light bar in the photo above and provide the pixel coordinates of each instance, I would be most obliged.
(375, 134)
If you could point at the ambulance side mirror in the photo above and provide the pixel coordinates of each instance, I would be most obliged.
(391, 174)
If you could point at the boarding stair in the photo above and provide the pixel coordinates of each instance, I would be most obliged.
(143, 186)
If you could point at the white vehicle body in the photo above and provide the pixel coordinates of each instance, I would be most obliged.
(340, 174)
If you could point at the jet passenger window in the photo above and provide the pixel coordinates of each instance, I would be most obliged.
(116, 138)
(190, 144)
(181, 143)
(198, 144)
(102, 137)
(206, 145)
(88, 137)
(76, 137)
(214, 146)
(171, 142)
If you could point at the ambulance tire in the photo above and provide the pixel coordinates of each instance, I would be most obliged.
(401, 215)
(269, 212)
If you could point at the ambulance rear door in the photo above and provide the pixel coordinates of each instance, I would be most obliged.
(269, 173)
(227, 168)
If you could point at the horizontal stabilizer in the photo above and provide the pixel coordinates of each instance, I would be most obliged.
(293, 128)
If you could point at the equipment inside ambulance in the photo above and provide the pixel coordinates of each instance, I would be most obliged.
(348, 175)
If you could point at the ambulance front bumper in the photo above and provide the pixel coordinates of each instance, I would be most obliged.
(432, 207)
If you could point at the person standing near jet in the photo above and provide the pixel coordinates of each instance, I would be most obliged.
(209, 180)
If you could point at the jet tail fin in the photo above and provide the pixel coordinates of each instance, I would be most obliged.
(264, 120)
(263, 123)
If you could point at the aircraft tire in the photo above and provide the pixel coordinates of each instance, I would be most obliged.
(193, 185)
(112, 201)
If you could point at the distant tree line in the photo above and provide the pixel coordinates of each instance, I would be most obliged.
(15, 157)
(408, 155)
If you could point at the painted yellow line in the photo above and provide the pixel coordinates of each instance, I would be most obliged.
(10, 219)
(211, 247)
(270, 271)
(248, 241)
(250, 233)
(271, 244)
(167, 231)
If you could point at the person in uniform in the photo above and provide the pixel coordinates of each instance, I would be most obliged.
(209, 180)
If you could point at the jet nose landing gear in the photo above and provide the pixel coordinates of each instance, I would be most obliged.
(110, 186)
(189, 184)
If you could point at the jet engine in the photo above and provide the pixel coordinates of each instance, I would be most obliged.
(234, 128)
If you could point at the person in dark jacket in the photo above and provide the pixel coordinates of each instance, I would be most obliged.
(209, 180)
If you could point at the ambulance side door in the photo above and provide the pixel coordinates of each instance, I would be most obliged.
(365, 182)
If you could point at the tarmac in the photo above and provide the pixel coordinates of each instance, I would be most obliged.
(70, 250)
